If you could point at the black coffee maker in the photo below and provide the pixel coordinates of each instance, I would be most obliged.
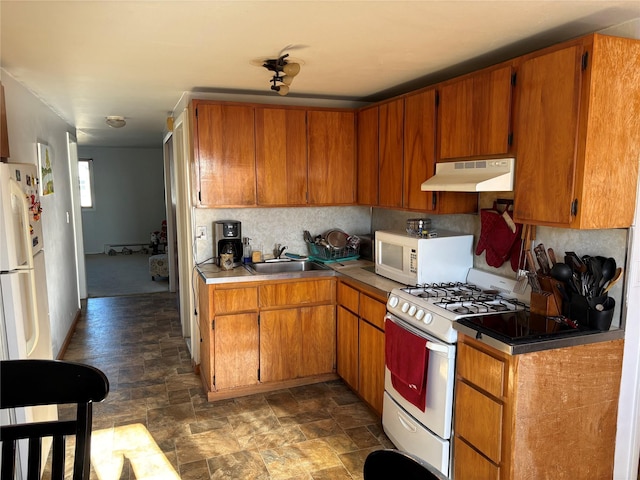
(227, 238)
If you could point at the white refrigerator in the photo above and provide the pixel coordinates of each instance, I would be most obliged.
(25, 330)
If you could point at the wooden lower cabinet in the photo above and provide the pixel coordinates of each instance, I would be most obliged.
(259, 336)
(347, 346)
(318, 340)
(360, 341)
(297, 342)
(235, 350)
(371, 361)
(546, 414)
(277, 329)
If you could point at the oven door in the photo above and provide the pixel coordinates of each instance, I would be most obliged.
(438, 410)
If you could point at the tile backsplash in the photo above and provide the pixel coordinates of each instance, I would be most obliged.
(268, 226)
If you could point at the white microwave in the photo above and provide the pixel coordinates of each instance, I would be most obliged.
(412, 260)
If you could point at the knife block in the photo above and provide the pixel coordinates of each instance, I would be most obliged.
(548, 302)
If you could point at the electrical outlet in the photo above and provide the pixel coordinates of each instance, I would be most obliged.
(201, 233)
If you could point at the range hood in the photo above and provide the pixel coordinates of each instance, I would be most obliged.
(494, 175)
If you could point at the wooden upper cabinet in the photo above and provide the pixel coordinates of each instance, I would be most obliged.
(474, 114)
(547, 117)
(391, 156)
(224, 142)
(331, 156)
(367, 162)
(419, 148)
(419, 159)
(281, 156)
(577, 131)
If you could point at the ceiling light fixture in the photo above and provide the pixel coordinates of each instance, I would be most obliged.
(115, 121)
(284, 73)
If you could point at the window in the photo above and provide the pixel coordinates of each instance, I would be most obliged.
(85, 174)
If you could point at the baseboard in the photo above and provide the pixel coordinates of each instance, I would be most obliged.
(70, 333)
(134, 247)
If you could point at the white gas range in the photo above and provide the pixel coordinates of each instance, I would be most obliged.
(424, 315)
(432, 308)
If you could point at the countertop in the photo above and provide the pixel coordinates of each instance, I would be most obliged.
(549, 343)
(360, 270)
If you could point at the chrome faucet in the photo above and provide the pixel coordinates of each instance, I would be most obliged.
(277, 252)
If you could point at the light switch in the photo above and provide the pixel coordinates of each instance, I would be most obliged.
(201, 232)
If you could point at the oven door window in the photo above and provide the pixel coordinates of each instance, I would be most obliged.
(391, 255)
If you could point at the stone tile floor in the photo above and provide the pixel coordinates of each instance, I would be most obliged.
(156, 422)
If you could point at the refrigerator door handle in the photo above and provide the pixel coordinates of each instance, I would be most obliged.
(27, 269)
(25, 235)
(32, 341)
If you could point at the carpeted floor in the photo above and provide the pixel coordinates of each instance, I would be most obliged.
(110, 276)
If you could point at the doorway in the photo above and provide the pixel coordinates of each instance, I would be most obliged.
(115, 244)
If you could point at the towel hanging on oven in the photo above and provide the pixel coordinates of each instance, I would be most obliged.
(407, 358)
(499, 235)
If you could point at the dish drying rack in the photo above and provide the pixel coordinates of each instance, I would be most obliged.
(329, 254)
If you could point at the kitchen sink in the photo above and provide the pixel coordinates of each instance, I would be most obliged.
(287, 267)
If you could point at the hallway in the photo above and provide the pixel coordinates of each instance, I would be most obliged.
(156, 420)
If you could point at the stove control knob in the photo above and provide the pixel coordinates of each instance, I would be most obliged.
(393, 301)
(405, 307)
(428, 318)
(412, 310)
(420, 314)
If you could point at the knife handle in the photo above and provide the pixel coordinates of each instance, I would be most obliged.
(531, 265)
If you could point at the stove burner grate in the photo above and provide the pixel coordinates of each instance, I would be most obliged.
(473, 305)
(437, 290)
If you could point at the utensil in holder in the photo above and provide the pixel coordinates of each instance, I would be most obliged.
(596, 312)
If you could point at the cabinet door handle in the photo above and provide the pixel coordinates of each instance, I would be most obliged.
(406, 424)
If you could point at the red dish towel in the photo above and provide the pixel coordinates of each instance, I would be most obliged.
(407, 360)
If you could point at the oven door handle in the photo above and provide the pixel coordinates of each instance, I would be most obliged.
(437, 347)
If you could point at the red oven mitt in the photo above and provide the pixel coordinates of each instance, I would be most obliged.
(499, 235)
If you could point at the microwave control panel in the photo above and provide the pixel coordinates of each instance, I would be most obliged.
(413, 261)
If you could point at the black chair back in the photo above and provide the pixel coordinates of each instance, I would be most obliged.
(393, 464)
(29, 383)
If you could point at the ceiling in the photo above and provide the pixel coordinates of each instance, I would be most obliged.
(92, 59)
